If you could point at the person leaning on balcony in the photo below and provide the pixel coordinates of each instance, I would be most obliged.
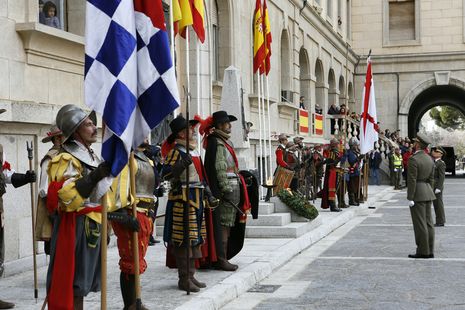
(9, 176)
(333, 110)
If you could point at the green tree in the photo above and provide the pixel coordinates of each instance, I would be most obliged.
(448, 117)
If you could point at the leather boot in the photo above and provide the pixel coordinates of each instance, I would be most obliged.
(78, 303)
(6, 305)
(332, 207)
(134, 307)
(128, 289)
(192, 272)
(223, 263)
(184, 283)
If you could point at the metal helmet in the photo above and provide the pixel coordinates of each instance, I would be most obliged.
(69, 118)
(353, 142)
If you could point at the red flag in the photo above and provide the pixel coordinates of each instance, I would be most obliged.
(198, 13)
(259, 39)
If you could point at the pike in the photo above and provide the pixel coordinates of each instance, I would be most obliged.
(30, 149)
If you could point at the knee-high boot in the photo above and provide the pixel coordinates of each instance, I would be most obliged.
(223, 263)
(128, 289)
(192, 272)
(184, 282)
(78, 303)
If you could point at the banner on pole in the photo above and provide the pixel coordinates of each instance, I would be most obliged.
(368, 121)
(129, 74)
(303, 121)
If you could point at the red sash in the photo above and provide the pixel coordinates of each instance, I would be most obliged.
(61, 294)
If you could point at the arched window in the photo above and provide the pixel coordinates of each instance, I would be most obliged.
(286, 93)
(215, 43)
(304, 79)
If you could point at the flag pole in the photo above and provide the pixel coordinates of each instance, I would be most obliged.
(260, 133)
(269, 125)
(172, 47)
(135, 237)
(103, 246)
(262, 85)
(186, 203)
(199, 109)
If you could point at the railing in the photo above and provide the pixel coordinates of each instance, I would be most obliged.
(345, 127)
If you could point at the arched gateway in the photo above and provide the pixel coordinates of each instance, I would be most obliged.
(437, 91)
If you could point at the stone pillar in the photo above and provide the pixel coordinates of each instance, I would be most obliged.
(231, 101)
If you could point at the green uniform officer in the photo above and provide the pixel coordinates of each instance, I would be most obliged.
(439, 175)
(420, 194)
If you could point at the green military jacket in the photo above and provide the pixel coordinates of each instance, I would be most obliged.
(420, 177)
(439, 174)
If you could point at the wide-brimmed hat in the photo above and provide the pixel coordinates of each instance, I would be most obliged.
(178, 124)
(440, 150)
(222, 117)
(298, 139)
(54, 131)
(334, 141)
(283, 136)
(422, 139)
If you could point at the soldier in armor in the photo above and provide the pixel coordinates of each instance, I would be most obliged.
(227, 185)
(315, 169)
(332, 159)
(178, 159)
(292, 161)
(9, 176)
(124, 224)
(73, 197)
(43, 229)
(281, 151)
(353, 159)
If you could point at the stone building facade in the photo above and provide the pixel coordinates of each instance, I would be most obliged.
(317, 52)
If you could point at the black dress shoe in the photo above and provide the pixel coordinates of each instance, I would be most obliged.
(438, 225)
(420, 256)
(336, 209)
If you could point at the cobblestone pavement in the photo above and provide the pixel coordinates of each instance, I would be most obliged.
(364, 264)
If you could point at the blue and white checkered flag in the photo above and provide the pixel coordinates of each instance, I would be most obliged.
(129, 74)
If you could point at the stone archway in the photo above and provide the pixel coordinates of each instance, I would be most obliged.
(437, 91)
(304, 77)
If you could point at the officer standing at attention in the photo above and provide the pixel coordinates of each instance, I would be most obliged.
(439, 174)
(420, 194)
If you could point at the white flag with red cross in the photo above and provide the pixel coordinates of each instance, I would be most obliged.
(368, 120)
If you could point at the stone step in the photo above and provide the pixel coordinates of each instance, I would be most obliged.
(291, 230)
(265, 208)
(275, 219)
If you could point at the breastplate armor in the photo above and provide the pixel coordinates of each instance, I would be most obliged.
(194, 177)
(145, 176)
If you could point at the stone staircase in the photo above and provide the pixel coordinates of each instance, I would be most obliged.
(275, 220)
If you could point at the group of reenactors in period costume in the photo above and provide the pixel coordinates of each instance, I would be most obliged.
(328, 172)
(74, 181)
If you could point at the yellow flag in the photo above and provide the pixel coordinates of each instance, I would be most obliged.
(186, 12)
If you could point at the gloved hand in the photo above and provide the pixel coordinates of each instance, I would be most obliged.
(212, 201)
(103, 170)
(181, 165)
(20, 179)
(124, 219)
(86, 184)
(411, 203)
(160, 191)
(437, 191)
(31, 176)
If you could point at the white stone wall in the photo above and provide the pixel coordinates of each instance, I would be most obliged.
(41, 69)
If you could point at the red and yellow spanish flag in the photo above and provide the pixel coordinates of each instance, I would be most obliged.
(318, 124)
(259, 38)
(198, 13)
(187, 13)
(268, 38)
(182, 16)
(303, 121)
